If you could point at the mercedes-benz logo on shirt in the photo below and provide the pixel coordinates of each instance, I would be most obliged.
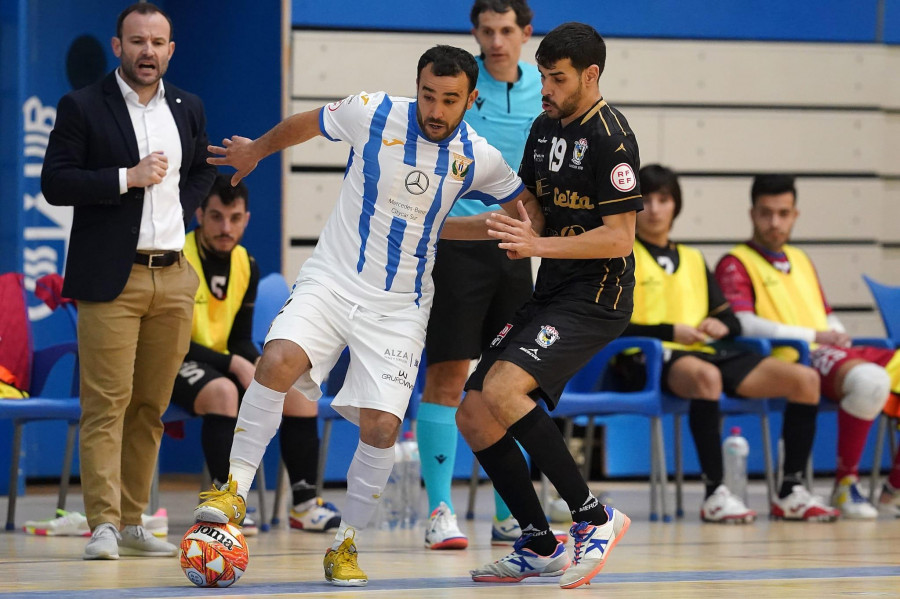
(417, 183)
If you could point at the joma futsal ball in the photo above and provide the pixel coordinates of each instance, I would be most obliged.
(214, 555)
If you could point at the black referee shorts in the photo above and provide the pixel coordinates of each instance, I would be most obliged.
(551, 341)
(477, 289)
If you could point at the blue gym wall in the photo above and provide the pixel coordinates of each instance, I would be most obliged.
(801, 20)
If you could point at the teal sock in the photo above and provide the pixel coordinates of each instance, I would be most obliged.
(437, 437)
(502, 511)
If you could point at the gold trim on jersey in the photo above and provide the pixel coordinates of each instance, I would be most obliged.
(595, 110)
(619, 276)
(618, 200)
(625, 133)
(602, 283)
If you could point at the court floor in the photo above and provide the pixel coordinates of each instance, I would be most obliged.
(654, 559)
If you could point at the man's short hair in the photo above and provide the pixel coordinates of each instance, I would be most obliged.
(578, 42)
(520, 7)
(770, 185)
(656, 177)
(449, 61)
(227, 193)
(142, 8)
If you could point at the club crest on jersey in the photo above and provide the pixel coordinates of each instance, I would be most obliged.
(459, 168)
(501, 335)
(547, 336)
(578, 153)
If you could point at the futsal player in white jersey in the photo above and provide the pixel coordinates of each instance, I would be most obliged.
(368, 283)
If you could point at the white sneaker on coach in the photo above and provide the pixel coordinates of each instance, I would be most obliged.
(104, 543)
(723, 506)
(135, 540)
(443, 531)
(593, 545)
(848, 498)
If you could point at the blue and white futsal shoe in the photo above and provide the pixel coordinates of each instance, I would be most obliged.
(593, 545)
(523, 563)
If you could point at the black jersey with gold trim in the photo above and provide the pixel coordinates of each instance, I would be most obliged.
(581, 173)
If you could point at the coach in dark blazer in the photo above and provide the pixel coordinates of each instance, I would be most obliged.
(129, 153)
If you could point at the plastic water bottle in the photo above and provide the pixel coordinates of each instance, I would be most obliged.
(389, 512)
(735, 450)
(412, 480)
(399, 505)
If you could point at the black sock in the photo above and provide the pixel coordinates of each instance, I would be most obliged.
(788, 482)
(506, 466)
(798, 432)
(216, 434)
(300, 452)
(541, 438)
(703, 419)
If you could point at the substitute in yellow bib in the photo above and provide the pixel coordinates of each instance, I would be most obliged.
(776, 293)
(677, 300)
(221, 361)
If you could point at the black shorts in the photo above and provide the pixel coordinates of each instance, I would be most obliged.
(551, 341)
(734, 366)
(477, 289)
(191, 378)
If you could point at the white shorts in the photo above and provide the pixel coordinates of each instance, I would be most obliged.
(385, 350)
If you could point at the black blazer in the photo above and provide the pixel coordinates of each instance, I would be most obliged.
(92, 139)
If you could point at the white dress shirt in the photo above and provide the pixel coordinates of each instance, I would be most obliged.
(162, 224)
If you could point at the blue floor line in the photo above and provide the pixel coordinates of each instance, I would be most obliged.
(402, 584)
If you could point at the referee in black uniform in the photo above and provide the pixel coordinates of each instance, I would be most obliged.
(581, 162)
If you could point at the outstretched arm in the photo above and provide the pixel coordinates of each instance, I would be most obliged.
(475, 227)
(244, 154)
(613, 239)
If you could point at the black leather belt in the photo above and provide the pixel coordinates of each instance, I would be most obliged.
(157, 260)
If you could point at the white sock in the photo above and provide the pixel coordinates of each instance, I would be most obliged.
(366, 478)
(342, 533)
(306, 505)
(257, 422)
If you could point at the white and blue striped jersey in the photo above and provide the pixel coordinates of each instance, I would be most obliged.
(377, 248)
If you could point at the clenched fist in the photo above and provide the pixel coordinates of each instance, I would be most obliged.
(149, 171)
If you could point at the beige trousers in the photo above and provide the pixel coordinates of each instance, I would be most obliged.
(130, 351)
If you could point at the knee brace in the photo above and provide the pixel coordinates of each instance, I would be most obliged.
(866, 390)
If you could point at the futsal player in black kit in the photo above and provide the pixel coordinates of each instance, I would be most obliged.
(581, 162)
